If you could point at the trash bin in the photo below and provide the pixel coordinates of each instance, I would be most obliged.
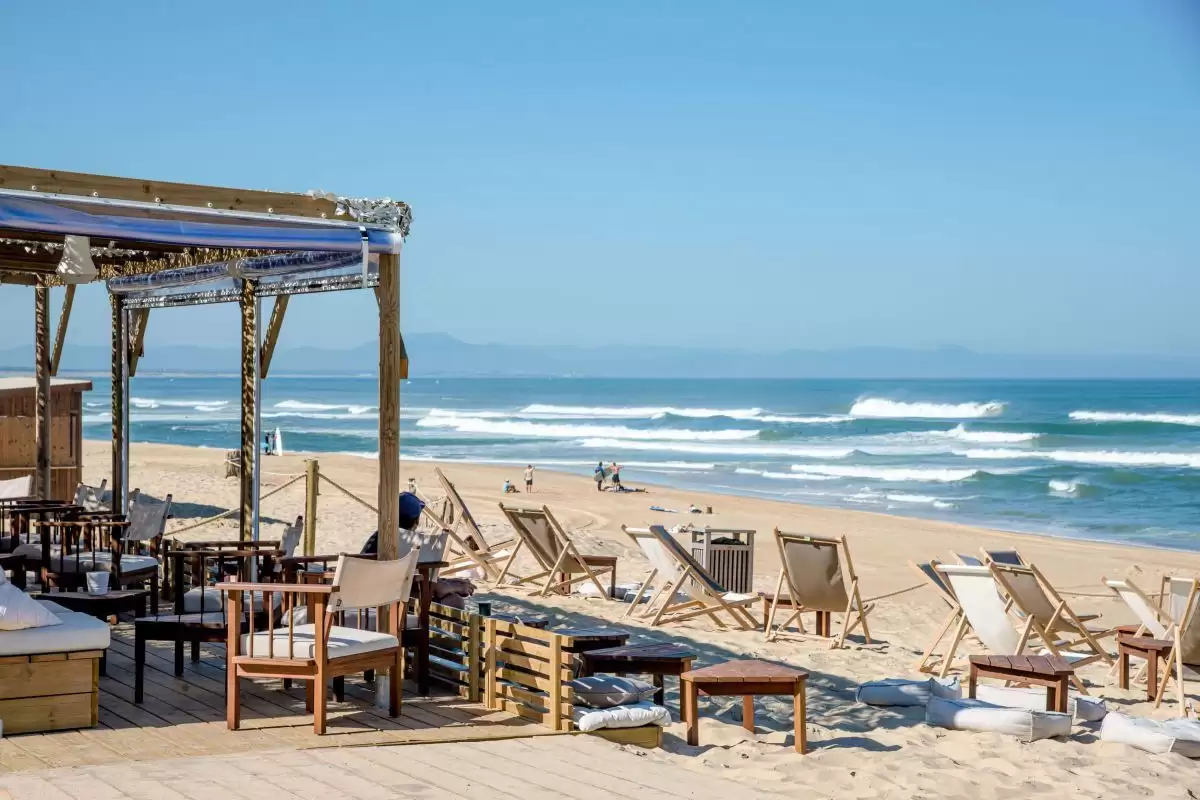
(727, 555)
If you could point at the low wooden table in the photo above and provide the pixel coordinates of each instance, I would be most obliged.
(746, 678)
(529, 620)
(101, 606)
(1144, 647)
(650, 658)
(584, 640)
(1050, 671)
(596, 561)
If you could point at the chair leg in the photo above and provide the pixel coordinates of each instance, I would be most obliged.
(196, 650)
(396, 684)
(233, 707)
(309, 693)
(178, 657)
(339, 688)
(320, 700)
(139, 663)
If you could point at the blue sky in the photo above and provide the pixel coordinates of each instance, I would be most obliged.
(1017, 176)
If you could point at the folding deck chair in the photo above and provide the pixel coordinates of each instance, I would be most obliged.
(819, 576)
(470, 549)
(678, 573)
(1184, 664)
(929, 571)
(1009, 557)
(556, 554)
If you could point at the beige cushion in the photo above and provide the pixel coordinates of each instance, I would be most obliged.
(76, 632)
(412, 622)
(342, 642)
(213, 599)
(19, 611)
(101, 560)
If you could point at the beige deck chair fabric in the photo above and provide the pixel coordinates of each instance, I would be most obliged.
(554, 551)
(91, 498)
(1050, 617)
(17, 488)
(818, 576)
(928, 571)
(1185, 658)
(1153, 620)
(664, 569)
(701, 593)
(470, 549)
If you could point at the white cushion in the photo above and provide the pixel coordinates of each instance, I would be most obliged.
(101, 560)
(76, 632)
(19, 611)
(634, 715)
(1172, 736)
(1083, 707)
(412, 622)
(31, 550)
(213, 599)
(900, 692)
(53, 607)
(342, 642)
(976, 715)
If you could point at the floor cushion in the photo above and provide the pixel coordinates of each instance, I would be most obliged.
(634, 715)
(1170, 736)
(975, 715)
(901, 692)
(76, 632)
(1081, 706)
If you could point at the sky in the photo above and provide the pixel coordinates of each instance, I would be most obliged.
(1009, 177)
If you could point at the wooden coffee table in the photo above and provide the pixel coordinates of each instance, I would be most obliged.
(1151, 650)
(746, 678)
(649, 658)
(1050, 671)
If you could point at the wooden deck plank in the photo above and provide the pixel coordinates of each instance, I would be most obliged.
(13, 757)
(572, 759)
(387, 772)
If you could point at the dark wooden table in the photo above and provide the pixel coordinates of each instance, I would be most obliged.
(1144, 647)
(531, 620)
(101, 606)
(746, 678)
(656, 659)
(584, 640)
(1050, 671)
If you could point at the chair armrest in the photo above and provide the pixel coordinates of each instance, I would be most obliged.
(296, 588)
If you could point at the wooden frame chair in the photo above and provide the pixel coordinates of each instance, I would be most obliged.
(929, 571)
(819, 576)
(1008, 557)
(1185, 656)
(680, 574)
(556, 554)
(319, 651)
(91, 498)
(1048, 615)
(471, 549)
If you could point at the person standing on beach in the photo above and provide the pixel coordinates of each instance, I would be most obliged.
(599, 476)
(616, 476)
(529, 478)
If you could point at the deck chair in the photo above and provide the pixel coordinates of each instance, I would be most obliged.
(1152, 619)
(929, 571)
(1173, 596)
(470, 550)
(686, 590)
(966, 560)
(556, 554)
(1009, 557)
(1185, 656)
(1049, 615)
(819, 576)
(17, 489)
(91, 498)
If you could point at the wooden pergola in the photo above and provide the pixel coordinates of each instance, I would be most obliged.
(160, 245)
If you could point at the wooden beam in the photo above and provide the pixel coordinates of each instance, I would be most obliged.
(137, 349)
(249, 440)
(389, 406)
(403, 359)
(268, 348)
(184, 194)
(118, 404)
(60, 336)
(41, 347)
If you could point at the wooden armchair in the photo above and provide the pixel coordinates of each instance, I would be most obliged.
(319, 651)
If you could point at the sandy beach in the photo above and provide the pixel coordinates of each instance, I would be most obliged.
(858, 751)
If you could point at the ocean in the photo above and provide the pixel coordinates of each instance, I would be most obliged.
(1108, 460)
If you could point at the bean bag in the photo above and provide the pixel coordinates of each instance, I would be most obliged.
(1171, 736)
(901, 692)
(1081, 706)
(975, 715)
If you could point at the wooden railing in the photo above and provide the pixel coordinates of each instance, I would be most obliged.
(456, 658)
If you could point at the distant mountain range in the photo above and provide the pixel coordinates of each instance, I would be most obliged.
(441, 355)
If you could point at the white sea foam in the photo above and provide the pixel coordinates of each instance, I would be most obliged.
(1130, 416)
(196, 405)
(607, 443)
(365, 415)
(882, 408)
(1071, 487)
(783, 476)
(987, 437)
(509, 427)
(887, 474)
(544, 411)
(1099, 457)
(300, 405)
(784, 418)
(919, 499)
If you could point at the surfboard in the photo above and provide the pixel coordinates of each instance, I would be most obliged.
(277, 444)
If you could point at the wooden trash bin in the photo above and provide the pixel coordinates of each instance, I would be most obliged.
(728, 556)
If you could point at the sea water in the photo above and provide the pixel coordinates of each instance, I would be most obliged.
(1111, 460)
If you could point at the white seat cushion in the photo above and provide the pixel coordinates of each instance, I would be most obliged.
(634, 715)
(1084, 707)
(342, 642)
(76, 632)
(735, 597)
(53, 607)
(102, 560)
(212, 599)
(901, 692)
(412, 622)
(32, 550)
(19, 611)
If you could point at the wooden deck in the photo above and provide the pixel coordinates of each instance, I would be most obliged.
(186, 717)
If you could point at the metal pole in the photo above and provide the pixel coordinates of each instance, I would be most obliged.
(125, 422)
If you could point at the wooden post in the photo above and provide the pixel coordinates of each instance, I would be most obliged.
(273, 327)
(118, 403)
(389, 406)
(41, 392)
(312, 489)
(249, 444)
(60, 337)
(137, 349)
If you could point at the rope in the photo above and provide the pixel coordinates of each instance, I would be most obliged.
(233, 511)
(347, 492)
(912, 588)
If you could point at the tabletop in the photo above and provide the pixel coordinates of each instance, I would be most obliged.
(746, 670)
(643, 650)
(111, 594)
(593, 634)
(1036, 665)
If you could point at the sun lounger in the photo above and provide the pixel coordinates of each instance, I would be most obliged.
(562, 565)
(1152, 620)
(928, 571)
(685, 589)
(1185, 656)
(470, 550)
(818, 576)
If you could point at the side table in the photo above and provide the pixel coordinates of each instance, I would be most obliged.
(746, 678)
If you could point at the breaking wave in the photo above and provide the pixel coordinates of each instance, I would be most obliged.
(603, 443)
(887, 474)
(195, 405)
(525, 428)
(1129, 416)
(300, 405)
(1100, 457)
(882, 408)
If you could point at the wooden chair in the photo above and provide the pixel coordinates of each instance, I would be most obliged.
(929, 571)
(681, 576)
(1185, 656)
(318, 651)
(91, 498)
(818, 576)
(470, 549)
(1009, 557)
(562, 565)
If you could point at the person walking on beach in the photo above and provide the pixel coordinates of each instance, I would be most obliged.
(529, 478)
(616, 476)
(599, 476)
